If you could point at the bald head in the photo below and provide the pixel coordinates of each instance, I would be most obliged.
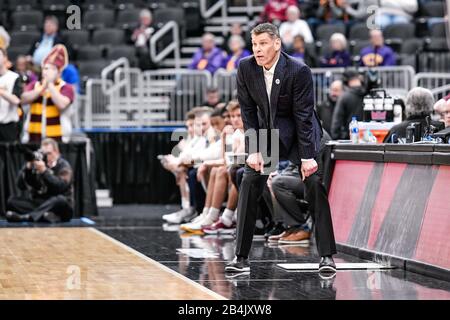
(376, 38)
(208, 42)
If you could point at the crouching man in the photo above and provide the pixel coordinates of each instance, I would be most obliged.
(48, 179)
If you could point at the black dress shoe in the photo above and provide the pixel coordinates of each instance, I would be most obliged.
(276, 230)
(12, 216)
(239, 264)
(327, 265)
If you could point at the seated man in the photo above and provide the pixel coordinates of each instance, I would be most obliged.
(290, 214)
(219, 181)
(419, 105)
(50, 184)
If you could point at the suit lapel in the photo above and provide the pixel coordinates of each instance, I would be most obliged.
(276, 85)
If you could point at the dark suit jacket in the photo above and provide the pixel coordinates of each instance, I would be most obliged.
(58, 40)
(291, 108)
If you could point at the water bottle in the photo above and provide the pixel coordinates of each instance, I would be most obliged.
(354, 130)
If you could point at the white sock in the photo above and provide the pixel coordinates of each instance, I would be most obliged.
(205, 211)
(185, 203)
(227, 217)
(213, 214)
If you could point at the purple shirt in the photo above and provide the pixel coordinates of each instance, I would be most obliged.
(385, 56)
(336, 59)
(245, 53)
(213, 61)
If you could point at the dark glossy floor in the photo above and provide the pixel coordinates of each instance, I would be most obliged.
(140, 227)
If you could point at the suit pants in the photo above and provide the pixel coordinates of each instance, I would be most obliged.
(58, 205)
(251, 187)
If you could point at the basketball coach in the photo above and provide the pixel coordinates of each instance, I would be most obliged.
(275, 91)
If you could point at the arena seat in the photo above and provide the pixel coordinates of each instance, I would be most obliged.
(24, 38)
(128, 19)
(108, 37)
(27, 20)
(126, 51)
(89, 52)
(359, 31)
(76, 38)
(324, 31)
(98, 18)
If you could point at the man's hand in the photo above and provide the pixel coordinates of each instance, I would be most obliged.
(256, 162)
(51, 75)
(308, 168)
(40, 166)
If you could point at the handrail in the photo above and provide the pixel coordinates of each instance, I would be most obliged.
(209, 12)
(105, 72)
(174, 46)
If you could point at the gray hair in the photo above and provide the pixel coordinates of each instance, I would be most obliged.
(236, 38)
(419, 101)
(339, 37)
(145, 13)
(268, 28)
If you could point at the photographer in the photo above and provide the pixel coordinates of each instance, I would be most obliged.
(48, 178)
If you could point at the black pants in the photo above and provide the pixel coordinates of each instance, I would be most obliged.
(250, 189)
(196, 192)
(287, 190)
(9, 132)
(58, 205)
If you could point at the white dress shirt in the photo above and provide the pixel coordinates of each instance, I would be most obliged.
(268, 78)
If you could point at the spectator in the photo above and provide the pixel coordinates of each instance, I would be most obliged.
(443, 108)
(395, 11)
(208, 57)
(53, 94)
(24, 69)
(294, 26)
(377, 53)
(236, 30)
(10, 90)
(339, 56)
(332, 11)
(419, 105)
(41, 48)
(349, 105)
(50, 185)
(141, 36)
(326, 108)
(212, 97)
(301, 52)
(275, 11)
(236, 45)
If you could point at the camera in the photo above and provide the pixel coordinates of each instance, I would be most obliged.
(37, 155)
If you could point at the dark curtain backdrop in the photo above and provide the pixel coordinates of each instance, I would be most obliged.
(12, 159)
(126, 164)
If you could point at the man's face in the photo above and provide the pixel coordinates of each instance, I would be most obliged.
(376, 38)
(145, 21)
(201, 124)
(50, 72)
(50, 27)
(21, 64)
(207, 43)
(227, 118)
(51, 153)
(335, 91)
(218, 123)
(236, 120)
(190, 127)
(446, 114)
(235, 45)
(212, 98)
(292, 15)
(265, 49)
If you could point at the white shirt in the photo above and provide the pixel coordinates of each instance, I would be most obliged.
(8, 112)
(268, 77)
(288, 30)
